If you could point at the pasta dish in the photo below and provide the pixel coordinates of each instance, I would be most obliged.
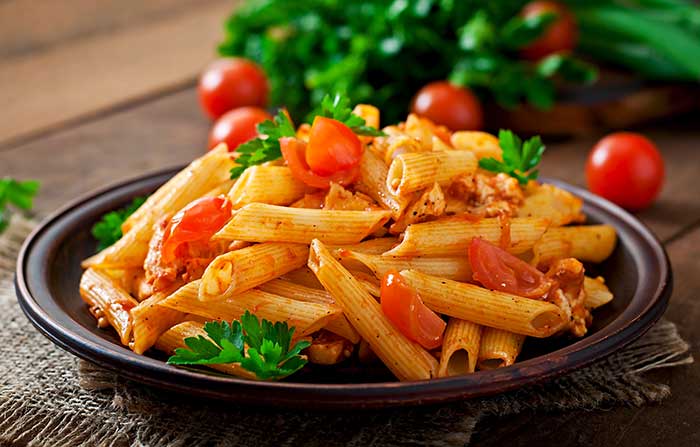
(434, 252)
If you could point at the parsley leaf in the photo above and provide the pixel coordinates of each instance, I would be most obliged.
(269, 354)
(109, 229)
(339, 109)
(16, 193)
(260, 150)
(519, 159)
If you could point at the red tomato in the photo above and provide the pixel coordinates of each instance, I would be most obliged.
(496, 269)
(332, 147)
(294, 153)
(227, 84)
(237, 127)
(405, 309)
(561, 35)
(625, 168)
(445, 104)
(198, 221)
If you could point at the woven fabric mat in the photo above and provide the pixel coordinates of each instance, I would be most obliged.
(49, 398)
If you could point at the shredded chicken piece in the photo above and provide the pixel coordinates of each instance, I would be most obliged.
(328, 348)
(314, 201)
(567, 276)
(431, 203)
(192, 258)
(488, 195)
(339, 198)
(559, 206)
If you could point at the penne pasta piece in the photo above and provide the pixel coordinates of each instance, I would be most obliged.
(499, 348)
(370, 246)
(549, 202)
(304, 277)
(591, 243)
(240, 270)
(460, 348)
(405, 358)
(199, 178)
(482, 144)
(457, 268)
(340, 326)
(259, 222)
(174, 338)
(597, 293)
(274, 185)
(414, 171)
(306, 317)
(369, 113)
(451, 236)
(150, 321)
(108, 302)
(369, 282)
(486, 307)
(373, 175)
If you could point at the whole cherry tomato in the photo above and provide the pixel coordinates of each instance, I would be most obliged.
(449, 105)
(236, 127)
(561, 35)
(405, 309)
(627, 169)
(230, 83)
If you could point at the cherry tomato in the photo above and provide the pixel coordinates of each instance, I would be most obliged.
(198, 221)
(561, 35)
(237, 127)
(294, 153)
(332, 147)
(627, 169)
(445, 104)
(405, 309)
(227, 84)
(496, 269)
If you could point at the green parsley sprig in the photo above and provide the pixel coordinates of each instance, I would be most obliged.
(109, 229)
(267, 148)
(519, 159)
(269, 354)
(16, 193)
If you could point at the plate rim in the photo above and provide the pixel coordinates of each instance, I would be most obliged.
(339, 396)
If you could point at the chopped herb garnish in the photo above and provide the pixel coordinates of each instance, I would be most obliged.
(519, 159)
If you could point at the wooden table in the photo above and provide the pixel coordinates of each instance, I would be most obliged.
(92, 98)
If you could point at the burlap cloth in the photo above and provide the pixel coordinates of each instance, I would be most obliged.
(49, 398)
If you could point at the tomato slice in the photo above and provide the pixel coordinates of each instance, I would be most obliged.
(198, 221)
(499, 270)
(332, 147)
(294, 153)
(405, 309)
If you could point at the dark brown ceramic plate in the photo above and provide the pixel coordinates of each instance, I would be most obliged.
(48, 273)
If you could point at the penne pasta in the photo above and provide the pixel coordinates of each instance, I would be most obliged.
(597, 293)
(592, 243)
(259, 222)
(370, 246)
(240, 270)
(174, 338)
(200, 177)
(414, 171)
(481, 144)
(455, 268)
(274, 185)
(460, 348)
(486, 307)
(304, 277)
(108, 302)
(499, 348)
(150, 321)
(549, 202)
(451, 236)
(405, 358)
(340, 326)
(306, 317)
(373, 175)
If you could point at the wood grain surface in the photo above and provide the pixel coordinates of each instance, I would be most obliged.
(96, 92)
